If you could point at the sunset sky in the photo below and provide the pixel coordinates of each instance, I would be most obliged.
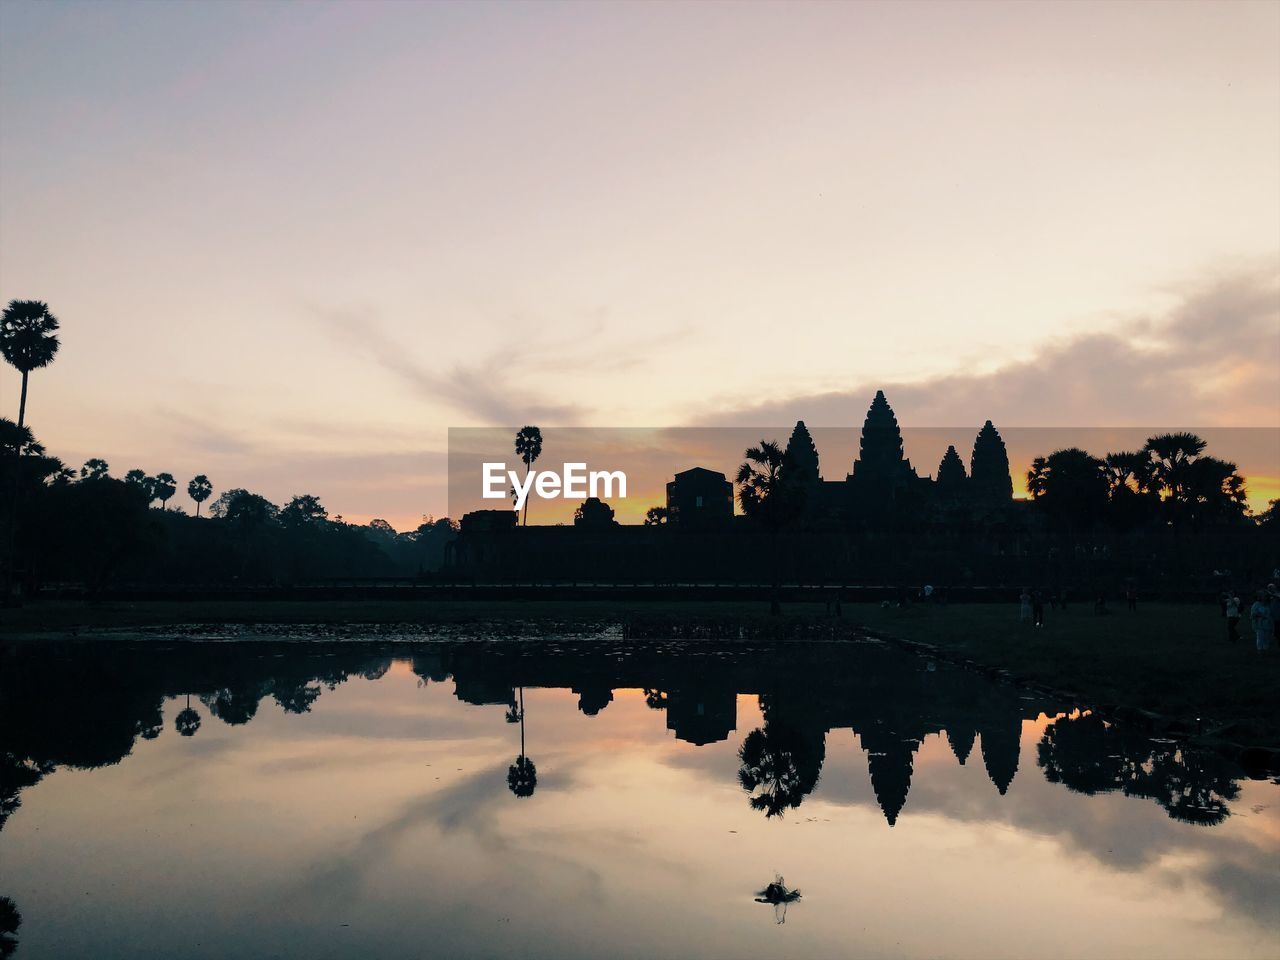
(292, 244)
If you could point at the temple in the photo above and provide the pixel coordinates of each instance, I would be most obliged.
(882, 484)
(882, 521)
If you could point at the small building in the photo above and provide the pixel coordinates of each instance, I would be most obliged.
(699, 497)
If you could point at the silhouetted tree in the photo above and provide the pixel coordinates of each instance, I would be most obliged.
(1070, 486)
(96, 529)
(94, 469)
(770, 496)
(163, 487)
(242, 508)
(28, 340)
(302, 510)
(199, 490)
(138, 478)
(1171, 453)
(1269, 517)
(1213, 487)
(1036, 477)
(13, 438)
(528, 449)
(1128, 471)
(655, 516)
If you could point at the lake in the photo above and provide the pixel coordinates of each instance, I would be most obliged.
(387, 795)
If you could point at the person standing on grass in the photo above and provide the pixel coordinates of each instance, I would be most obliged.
(1232, 610)
(1131, 598)
(1024, 614)
(1037, 607)
(1274, 599)
(1260, 617)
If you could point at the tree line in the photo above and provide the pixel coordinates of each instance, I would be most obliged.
(1170, 481)
(58, 523)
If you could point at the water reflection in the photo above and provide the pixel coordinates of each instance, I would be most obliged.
(768, 734)
(84, 706)
(10, 920)
(1090, 756)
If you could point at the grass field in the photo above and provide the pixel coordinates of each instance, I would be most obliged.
(1173, 659)
(1169, 658)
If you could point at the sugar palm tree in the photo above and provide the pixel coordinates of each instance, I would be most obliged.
(94, 469)
(522, 776)
(164, 487)
(768, 495)
(528, 449)
(28, 340)
(14, 438)
(1171, 453)
(199, 490)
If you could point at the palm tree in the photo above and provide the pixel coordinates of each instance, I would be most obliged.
(522, 776)
(767, 495)
(1036, 477)
(28, 340)
(15, 438)
(94, 469)
(163, 487)
(1171, 453)
(199, 490)
(528, 449)
(1128, 470)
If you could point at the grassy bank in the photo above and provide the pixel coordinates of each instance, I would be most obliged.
(1173, 659)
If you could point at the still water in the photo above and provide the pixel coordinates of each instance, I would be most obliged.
(393, 799)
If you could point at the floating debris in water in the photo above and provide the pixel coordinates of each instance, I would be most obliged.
(778, 894)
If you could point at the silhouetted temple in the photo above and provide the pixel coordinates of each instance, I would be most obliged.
(880, 522)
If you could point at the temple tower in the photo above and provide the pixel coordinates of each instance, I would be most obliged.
(803, 455)
(880, 458)
(989, 467)
(952, 479)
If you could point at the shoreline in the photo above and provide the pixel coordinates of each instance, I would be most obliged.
(1167, 668)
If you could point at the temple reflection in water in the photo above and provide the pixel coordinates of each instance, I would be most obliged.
(85, 705)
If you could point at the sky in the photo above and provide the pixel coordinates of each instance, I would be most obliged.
(292, 244)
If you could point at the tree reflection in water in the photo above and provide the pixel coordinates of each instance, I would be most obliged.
(522, 776)
(1090, 756)
(10, 920)
(187, 721)
(85, 705)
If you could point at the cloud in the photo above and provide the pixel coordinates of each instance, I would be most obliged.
(1212, 359)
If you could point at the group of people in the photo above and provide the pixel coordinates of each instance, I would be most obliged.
(1264, 616)
(1033, 601)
